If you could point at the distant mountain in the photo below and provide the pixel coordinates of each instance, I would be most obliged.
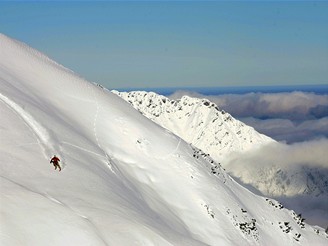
(199, 122)
(124, 179)
(214, 131)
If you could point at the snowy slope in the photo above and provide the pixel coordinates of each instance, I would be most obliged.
(198, 121)
(125, 180)
(251, 157)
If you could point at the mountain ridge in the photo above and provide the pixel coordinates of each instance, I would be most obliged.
(197, 121)
(235, 145)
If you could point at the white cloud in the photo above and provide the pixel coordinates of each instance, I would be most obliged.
(289, 131)
(304, 153)
(295, 174)
(291, 117)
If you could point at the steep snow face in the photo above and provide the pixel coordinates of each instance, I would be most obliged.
(125, 180)
(197, 121)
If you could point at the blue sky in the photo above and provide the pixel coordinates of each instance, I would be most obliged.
(178, 44)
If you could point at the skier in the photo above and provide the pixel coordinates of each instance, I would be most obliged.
(54, 160)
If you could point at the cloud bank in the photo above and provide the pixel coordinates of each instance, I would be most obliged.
(295, 174)
(290, 117)
(309, 153)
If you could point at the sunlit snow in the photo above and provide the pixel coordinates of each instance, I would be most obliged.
(125, 180)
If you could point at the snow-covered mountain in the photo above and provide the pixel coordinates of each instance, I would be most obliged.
(125, 180)
(237, 146)
(199, 122)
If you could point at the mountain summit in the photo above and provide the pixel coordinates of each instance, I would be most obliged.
(124, 180)
(199, 122)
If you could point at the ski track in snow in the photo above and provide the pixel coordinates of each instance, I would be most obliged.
(81, 148)
(143, 143)
(85, 218)
(172, 152)
(23, 186)
(95, 120)
(42, 135)
(52, 199)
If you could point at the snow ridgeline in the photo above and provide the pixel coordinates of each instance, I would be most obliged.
(199, 122)
(126, 181)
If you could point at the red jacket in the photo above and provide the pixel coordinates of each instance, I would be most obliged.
(54, 159)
